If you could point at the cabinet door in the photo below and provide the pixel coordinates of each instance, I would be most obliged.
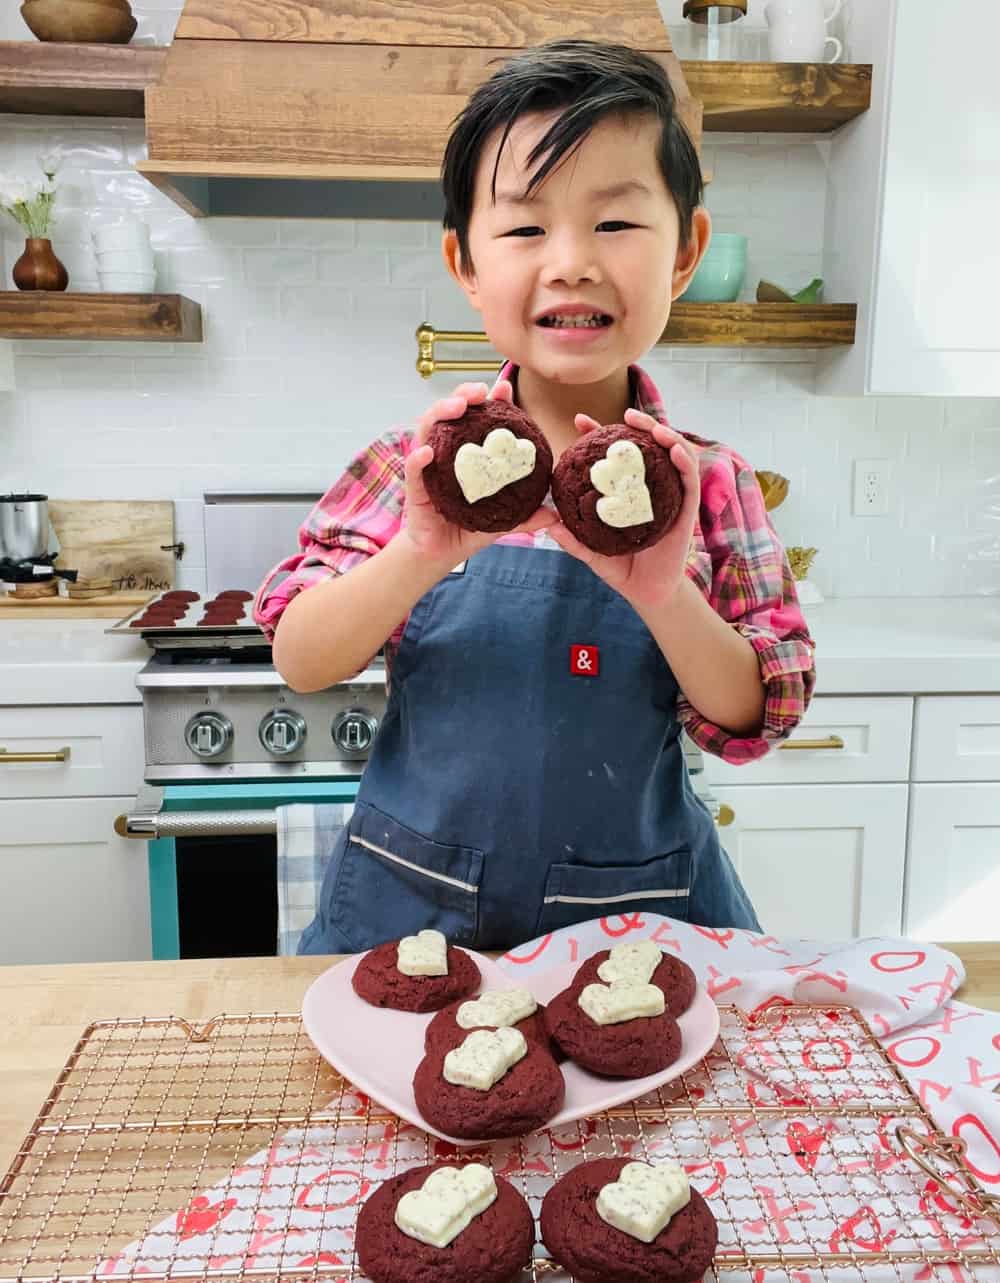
(101, 745)
(953, 862)
(936, 324)
(73, 891)
(957, 737)
(823, 861)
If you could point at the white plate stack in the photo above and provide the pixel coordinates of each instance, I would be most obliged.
(124, 254)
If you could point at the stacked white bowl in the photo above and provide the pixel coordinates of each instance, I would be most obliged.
(125, 262)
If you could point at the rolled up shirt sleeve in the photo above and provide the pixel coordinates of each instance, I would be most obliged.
(741, 568)
(355, 519)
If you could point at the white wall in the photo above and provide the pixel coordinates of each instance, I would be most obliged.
(309, 352)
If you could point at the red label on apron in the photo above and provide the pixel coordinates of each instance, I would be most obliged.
(584, 661)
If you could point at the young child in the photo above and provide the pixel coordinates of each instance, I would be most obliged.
(510, 790)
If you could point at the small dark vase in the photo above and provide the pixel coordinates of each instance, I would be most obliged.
(38, 268)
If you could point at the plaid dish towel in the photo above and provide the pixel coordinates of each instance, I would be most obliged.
(307, 835)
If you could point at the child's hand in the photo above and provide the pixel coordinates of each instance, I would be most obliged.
(650, 578)
(435, 538)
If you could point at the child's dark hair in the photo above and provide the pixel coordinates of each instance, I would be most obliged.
(589, 80)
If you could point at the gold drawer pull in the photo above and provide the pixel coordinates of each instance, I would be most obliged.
(831, 741)
(9, 758)
(725, 816)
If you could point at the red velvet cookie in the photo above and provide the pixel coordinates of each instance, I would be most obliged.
(444, 1031)
(509, 506)
(493, 1248)
(577, 497)
(674, 977)
(524, 1099)
(629, 1049)
(379, 981)
(595, 1252)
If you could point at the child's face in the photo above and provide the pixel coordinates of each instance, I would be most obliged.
(600, 234)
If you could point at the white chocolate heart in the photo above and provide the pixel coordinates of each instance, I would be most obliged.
(482, 470)
(497, 1009)
(484, 1057)
(621, 478)
(635, 962)
(446, 1203)
(425, 954)
(622, 1000)
(644, 1198)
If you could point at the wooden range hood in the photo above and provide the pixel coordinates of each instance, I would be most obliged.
(341, 108)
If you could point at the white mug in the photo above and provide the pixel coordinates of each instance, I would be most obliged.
(797, 31)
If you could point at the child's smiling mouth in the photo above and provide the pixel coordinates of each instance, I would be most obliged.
(574, 322)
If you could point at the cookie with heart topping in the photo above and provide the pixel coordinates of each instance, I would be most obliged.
(617, 490)
(493, 1248)
(378, 979)
(491, 468)
(595, 1251)
(445, 1030)
(674, 977)
(624, 1049)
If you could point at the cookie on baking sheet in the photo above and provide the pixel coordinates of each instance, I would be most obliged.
(491, 485)
(617, 490)
(379, 980)
(595, 1251)
(674, 977)
(529, 1089)
(624, 1049)
(448, 1029)
(495, 1245)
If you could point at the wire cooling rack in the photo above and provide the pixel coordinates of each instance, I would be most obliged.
(233, 1151)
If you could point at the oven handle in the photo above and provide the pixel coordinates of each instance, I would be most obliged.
(191, 824)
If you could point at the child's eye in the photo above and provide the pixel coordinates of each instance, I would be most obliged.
(524, 231)
(614, 225)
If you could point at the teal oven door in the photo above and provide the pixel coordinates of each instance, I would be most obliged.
(213, 881)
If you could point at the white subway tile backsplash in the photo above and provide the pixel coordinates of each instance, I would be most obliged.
(309, 353)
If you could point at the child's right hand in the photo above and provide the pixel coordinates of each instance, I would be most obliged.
(432, 535)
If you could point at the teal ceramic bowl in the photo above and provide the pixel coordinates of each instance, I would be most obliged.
(721, 272)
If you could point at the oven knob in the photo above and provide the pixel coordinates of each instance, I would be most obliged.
(208, 734)
(354, 731)
(282, 732)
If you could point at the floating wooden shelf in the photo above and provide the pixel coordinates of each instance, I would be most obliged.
(778, 97)
(46, 79)
(43, 314)
(760, 325)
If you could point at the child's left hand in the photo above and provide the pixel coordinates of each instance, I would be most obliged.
(650, 578)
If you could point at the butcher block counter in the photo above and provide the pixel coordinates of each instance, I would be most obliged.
(45, 1009)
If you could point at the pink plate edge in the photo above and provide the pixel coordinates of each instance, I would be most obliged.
(700, 1018)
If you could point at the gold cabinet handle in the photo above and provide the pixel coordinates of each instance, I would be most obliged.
(7, 757)
(725, 816)
(831, 741)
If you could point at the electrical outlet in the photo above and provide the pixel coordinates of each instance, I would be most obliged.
(871, 487)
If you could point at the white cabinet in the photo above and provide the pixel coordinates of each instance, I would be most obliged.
(957, 737)
(824, 861)
(953, 866)
(104, 757)
(913, 205)
(73, 891)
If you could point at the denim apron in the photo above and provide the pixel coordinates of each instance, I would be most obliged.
(528, 773)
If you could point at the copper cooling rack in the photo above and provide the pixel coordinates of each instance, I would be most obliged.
(814, 1154)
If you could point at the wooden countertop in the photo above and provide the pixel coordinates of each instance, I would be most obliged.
(45, 1009)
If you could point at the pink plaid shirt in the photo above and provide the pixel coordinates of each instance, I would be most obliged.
(737, 562)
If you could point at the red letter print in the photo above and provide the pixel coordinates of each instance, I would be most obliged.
(324, 1178)
(804, 1145)
(916, 1057)
(629, 921)
(777, 1216)
(530, 957)
(970, 1120)
(200, 1216)
(849, 1230)
(909, 961)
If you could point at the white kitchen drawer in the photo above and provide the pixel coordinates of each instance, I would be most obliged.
(106, 753)
(874, 732)
(957, 737)
(73, 891)
(822, 861)
(953, 862)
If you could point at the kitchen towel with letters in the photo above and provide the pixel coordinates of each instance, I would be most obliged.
(294, 1204)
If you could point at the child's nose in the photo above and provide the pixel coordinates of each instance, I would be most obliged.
(572, 260)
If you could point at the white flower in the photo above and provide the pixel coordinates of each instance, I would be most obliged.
(50, 161)
(17, 192)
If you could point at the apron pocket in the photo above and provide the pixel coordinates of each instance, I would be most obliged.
(394, 882)
(578, 892)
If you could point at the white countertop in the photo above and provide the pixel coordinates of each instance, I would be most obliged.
(53, 661)
(864, 645)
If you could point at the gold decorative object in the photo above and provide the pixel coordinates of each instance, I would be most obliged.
(800, 559)
(427, 362)
(774, 488)
(108, 22)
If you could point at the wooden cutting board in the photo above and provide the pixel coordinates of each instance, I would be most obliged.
(120, 540)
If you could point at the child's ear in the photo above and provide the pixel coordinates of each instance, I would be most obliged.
(690, 256)
(460, 270)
